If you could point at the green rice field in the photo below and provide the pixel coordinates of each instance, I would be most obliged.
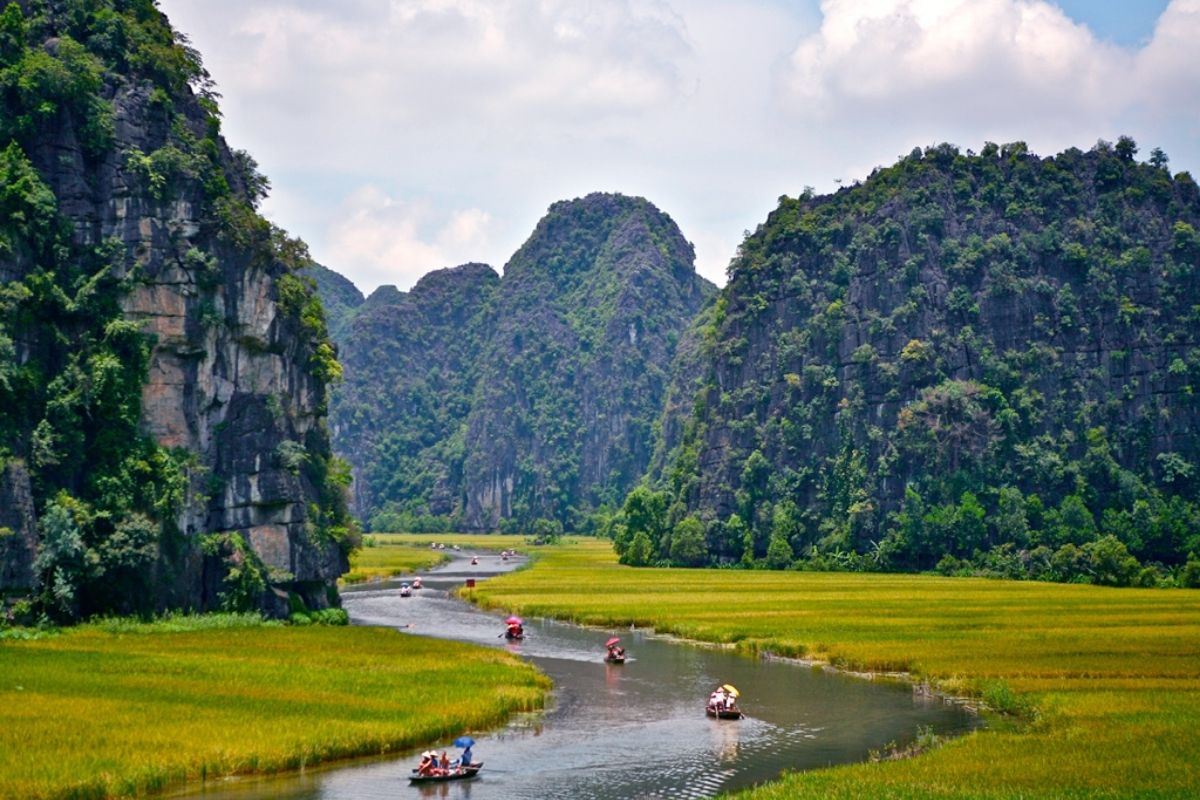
(118, 709)
(1104, 683)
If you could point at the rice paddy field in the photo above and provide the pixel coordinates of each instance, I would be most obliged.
(118, 709)
(381, 558)
(389, 555)
(468, 541)
(1104, 683)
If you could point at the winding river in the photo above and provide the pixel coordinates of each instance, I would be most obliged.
(636, 730)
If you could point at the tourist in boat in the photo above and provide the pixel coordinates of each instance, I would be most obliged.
(615, 652)
(465, 760)
(445, 762)
(426, 765)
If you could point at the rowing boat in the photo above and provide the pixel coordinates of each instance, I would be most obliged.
(723, 713)
(469, 771)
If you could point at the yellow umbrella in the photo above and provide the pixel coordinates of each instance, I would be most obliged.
(731, 689)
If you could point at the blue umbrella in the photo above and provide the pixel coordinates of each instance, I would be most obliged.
(464, 741)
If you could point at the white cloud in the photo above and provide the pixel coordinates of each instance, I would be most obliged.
(978, 66)
(380, 239)
(470, 117)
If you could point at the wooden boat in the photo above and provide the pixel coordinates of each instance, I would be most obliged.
(514, 637)
(615, 659)
(470, 771)
(723, 713)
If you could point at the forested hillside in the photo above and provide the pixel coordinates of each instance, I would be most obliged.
(480, 402)
(162, 367)
(411, 364)
(987, 362)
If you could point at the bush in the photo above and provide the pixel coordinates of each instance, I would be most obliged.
(1189, 576)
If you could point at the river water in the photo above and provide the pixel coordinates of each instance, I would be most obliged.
(636, 730)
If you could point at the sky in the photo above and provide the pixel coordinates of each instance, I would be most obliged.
(403, 136)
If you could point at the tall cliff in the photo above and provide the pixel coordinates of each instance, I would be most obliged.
(586, 323)
(478, 401)
(411, 363)
(163, 369)
(962, 352)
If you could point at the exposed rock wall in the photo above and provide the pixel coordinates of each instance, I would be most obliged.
(231, 377)
(18, 530)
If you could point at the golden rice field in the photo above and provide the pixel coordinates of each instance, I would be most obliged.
(1112, 675)
(122, 710)
(387, 559)
(478, 541)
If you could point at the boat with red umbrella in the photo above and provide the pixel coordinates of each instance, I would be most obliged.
(514, 630)
(616, 653)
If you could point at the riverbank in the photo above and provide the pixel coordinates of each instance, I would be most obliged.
(123, 709)
(382, 559)
(1109, 678)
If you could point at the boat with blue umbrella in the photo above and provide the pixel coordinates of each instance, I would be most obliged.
(430, 770)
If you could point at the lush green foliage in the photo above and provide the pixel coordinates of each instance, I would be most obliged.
(72, 367)
(984, 363)
(1107, 680)
(122, 708)
(549, 377)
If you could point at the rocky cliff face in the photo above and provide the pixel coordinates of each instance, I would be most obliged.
(18, 531)
(411, 362)
(958, 323)
(586, 322)
(235, 375)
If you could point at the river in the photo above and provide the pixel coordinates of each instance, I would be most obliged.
(636, 730)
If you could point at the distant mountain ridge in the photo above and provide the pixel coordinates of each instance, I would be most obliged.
(495, 400)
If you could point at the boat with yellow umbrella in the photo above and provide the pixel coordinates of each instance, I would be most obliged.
(722, 703)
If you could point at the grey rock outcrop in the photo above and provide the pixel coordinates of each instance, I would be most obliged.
(18, 530)
(231, 377)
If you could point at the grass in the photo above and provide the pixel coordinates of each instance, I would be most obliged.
(481, 541)
(1108, 679)
(386, 558)
(393, 554)
(123, 709)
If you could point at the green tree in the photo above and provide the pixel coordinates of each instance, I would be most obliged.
(687, 542)
(779, 552)
(1111, 564)
(640, 550)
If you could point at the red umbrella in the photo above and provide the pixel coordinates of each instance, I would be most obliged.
(612, 641)
(513, 621)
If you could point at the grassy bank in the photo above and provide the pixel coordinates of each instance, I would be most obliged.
(388, 555)
(381, 558)
(468, 541)
(1110, 677)
(120, 710)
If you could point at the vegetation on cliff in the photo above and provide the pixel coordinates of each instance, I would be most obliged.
(102, 102)
(412, 363)
(523, 401)
(980, 362)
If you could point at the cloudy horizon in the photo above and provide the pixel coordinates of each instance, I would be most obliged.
(403, 136)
